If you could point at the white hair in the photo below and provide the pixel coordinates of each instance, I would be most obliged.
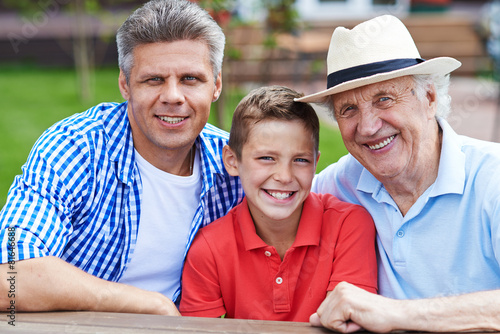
(441, 83)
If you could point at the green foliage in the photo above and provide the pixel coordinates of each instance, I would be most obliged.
(217, 5)
(32, 100)
(282, 15)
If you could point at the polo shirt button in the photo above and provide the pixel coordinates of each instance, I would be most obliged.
(279, 280)
(267, 253)
(400, 234)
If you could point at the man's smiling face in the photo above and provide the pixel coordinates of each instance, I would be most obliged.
(387, 127)
(170, 90)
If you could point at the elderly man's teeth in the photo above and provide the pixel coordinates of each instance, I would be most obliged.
(383, 144)
(171, 120)
(280, 195)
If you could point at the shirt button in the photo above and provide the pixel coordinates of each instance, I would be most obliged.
(279, 280)
(400, 234)
(267, 253)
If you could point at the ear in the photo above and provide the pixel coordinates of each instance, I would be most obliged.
(230, 161)
(431, 99)
(123, 85)
(218, 87)
(317, 158)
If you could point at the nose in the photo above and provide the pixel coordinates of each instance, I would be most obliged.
(171, 93)
(369, 122)
(283, 173)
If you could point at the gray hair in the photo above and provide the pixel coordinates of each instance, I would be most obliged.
(169, 21)
(441, 84)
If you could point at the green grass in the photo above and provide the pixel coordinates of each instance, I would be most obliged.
(33, 99)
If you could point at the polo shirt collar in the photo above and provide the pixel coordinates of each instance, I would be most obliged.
(308, 232)
(311, 220)
(451, 172)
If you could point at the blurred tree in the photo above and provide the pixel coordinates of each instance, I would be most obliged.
(83, 53)
(282, 17)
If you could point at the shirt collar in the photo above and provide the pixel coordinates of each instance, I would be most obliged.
(451, 172)
(121, 147)
(120, 144)
(211, 153)
(308, 232)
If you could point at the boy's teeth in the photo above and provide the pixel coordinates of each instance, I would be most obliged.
(171, 120)
(383, 144)
(280, 195)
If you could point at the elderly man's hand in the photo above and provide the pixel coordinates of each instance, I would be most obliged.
(348, 308)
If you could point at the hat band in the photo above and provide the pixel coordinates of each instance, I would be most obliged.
(366, 70)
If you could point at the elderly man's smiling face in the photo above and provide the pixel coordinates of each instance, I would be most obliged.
(389, 128)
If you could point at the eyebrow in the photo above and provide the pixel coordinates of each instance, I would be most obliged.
(188, 73)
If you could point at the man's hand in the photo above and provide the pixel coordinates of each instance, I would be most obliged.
(51, 284)
(348, 308)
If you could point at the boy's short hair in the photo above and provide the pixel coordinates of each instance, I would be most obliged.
(272, 102)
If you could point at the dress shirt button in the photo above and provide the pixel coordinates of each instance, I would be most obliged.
(267, 253)
(279, 280)
(400, 234)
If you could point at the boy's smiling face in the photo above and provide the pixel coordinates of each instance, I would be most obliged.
(277, 166)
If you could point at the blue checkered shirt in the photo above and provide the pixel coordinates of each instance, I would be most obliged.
(79, 195)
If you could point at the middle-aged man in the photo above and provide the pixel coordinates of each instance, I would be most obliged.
(110, 199)
(434, 195)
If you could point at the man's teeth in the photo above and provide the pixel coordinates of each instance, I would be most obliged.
(383, 144)
(171, 120)
(280, 195)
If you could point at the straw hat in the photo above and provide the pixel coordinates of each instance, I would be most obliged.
(375, 50)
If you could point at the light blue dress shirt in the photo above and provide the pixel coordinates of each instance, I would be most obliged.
(449, 241)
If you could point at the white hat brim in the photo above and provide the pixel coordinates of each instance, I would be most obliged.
(440, 65)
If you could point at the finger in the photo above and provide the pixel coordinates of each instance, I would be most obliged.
(314, 320)
(352, 327)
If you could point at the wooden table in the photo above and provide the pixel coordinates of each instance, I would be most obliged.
(101, 322)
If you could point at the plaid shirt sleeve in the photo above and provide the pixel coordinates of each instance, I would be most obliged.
(69, 201)
(42, 201)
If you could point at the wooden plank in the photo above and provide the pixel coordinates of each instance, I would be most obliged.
(86, 322)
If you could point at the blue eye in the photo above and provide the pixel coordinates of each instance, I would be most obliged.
(154, 80)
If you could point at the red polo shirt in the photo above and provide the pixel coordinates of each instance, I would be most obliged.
(230, 270)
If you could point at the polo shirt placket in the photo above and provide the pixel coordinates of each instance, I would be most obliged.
(279, 276)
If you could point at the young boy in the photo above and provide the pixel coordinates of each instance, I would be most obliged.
(277, 254)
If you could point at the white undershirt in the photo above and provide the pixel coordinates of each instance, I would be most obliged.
(168, 205)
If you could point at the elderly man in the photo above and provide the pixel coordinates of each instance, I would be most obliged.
(434, 195)
(110, 199)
